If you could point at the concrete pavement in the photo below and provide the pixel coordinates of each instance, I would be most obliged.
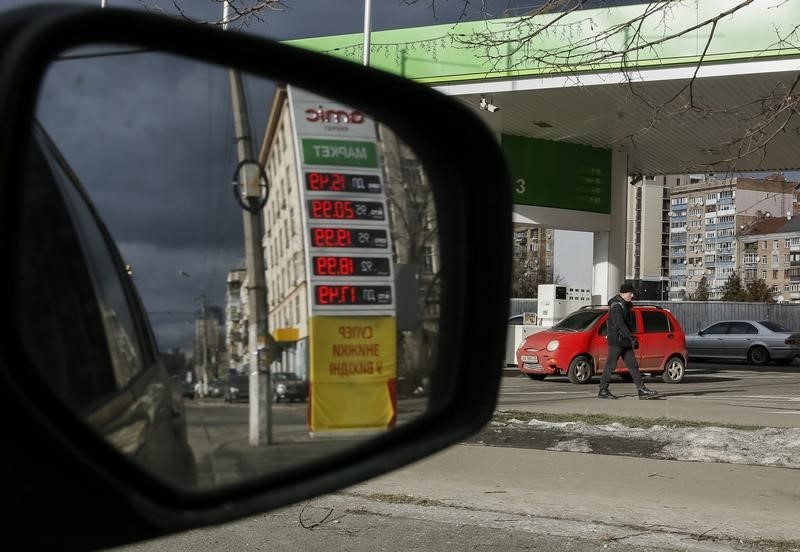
(697, 500)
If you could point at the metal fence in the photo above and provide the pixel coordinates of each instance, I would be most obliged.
(696, 315)
(520, 306)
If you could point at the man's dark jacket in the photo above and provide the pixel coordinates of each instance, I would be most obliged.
(621, 323)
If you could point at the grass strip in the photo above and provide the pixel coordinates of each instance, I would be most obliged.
(504, 416)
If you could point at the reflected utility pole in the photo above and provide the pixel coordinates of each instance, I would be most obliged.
(249, 180)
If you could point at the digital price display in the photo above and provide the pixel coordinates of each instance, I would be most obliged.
(344, 209)
(352, 295)
(350, 266)
(340, 182)
(349, 237)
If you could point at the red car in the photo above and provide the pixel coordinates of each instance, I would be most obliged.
(577, 346)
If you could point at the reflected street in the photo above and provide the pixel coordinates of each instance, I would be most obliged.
(218, 436)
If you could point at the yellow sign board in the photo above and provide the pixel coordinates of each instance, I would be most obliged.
(285, 335)
(352, 373)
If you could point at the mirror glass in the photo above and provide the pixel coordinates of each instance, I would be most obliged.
(281, 245)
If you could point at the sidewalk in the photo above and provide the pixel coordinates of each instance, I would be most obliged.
(700, 499)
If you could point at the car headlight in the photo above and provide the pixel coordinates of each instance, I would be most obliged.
(552, 346)
(281, 387)
(234, 390)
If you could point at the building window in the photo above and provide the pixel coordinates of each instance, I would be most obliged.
(427, 259)
(763, 274)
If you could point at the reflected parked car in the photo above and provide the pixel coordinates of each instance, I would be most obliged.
(756, 342)
(288, 385)
(216, 388)
(237, 388)
(577, 348)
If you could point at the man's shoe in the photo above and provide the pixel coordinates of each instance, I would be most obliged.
(606, 394)
(645, 393)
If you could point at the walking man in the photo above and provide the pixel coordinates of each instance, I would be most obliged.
(621, 326)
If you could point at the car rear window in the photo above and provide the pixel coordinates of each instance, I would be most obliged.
(578, 321)
(775, 327)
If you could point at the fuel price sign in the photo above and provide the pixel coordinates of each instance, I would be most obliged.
(339, 295)
(345, 209)
(362, 238)
(343, 182)
(330, 265)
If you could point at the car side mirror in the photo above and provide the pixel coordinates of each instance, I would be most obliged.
(701, 333)
(386, 209)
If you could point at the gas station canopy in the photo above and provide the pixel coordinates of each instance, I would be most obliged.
(741, 112)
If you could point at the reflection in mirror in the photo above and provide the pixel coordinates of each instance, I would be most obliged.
(248, 370)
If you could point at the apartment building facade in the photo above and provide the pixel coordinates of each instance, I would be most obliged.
(647, 246)
(770, 251)
(706, 218)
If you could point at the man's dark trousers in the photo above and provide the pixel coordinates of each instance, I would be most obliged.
(611, 363)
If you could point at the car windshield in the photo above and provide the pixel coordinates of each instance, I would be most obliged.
(578, 321)
(775, 327)
(283, 376)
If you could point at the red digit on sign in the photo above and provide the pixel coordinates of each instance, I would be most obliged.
(343, 238)
(337, 182)
(347, 266)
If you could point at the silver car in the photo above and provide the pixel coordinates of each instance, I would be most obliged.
(755, 342)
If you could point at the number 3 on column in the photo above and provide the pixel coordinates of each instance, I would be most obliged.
(521, 186)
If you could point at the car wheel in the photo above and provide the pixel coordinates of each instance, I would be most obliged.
(758, 355)
(674, 370)
(537, 377)
(580, 370)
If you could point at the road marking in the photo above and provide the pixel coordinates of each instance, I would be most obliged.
(740, 397)
(783, 412)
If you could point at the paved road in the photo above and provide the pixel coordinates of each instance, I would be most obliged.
(722, 393)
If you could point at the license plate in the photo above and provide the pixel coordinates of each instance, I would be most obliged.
(532, 359)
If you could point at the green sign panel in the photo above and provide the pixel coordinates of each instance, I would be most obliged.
(346, 153)
(558, 174)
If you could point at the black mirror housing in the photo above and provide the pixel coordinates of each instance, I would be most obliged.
(93, 494)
